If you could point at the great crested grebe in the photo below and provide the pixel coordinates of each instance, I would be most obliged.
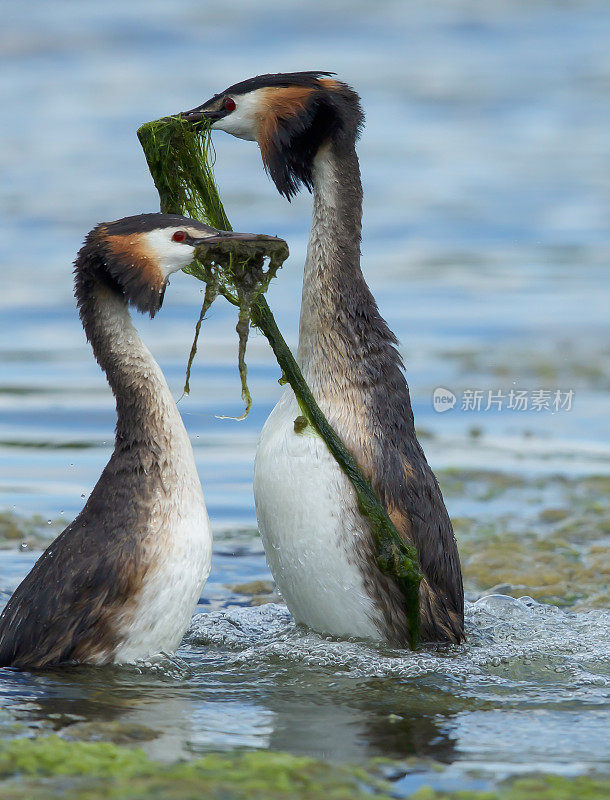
(317, 543)
(121, 582)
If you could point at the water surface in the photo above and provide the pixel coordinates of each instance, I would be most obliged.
(485, 166)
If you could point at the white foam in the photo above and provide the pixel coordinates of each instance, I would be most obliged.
(509, 640)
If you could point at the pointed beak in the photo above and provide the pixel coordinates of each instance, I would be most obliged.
(199, 113)
(242, 245)
(220, 237)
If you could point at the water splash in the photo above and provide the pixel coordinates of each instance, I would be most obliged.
(510, 641)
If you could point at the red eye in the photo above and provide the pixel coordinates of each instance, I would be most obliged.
(229, 104)
(179, 236)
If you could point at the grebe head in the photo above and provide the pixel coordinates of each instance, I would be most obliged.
(136, 255)
(290, 115)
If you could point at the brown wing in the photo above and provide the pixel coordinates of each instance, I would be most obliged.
(65, 610)
(424, 521)
(404, 481)
(387, 448)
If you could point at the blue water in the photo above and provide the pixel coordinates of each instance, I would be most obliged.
(485, 163)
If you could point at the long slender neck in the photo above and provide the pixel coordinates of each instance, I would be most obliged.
(342, 335)
(146, 410)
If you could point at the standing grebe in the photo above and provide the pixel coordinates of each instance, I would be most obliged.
(121, 582)
(318, 545)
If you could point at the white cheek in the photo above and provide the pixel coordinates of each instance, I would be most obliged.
(242, 121)
(235, 127)
(177, 259)
(170, 256)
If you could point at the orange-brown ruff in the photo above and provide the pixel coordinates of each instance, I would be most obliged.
(277, 106)
(135, 251)
(318, 545)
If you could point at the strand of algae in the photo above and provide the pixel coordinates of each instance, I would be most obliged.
(178, 159)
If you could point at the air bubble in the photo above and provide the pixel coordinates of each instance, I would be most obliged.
(556, 642)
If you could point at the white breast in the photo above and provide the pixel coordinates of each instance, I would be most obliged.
(310, 526)
(179, 550)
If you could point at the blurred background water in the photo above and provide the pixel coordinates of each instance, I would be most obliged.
(485, 163)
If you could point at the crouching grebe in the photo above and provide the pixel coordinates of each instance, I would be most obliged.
(317, 543)
(121, 582)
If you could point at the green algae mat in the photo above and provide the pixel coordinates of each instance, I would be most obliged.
(49, 767)
(178, 157)
(553, 544)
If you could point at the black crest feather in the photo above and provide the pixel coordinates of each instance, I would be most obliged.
(277, 79)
